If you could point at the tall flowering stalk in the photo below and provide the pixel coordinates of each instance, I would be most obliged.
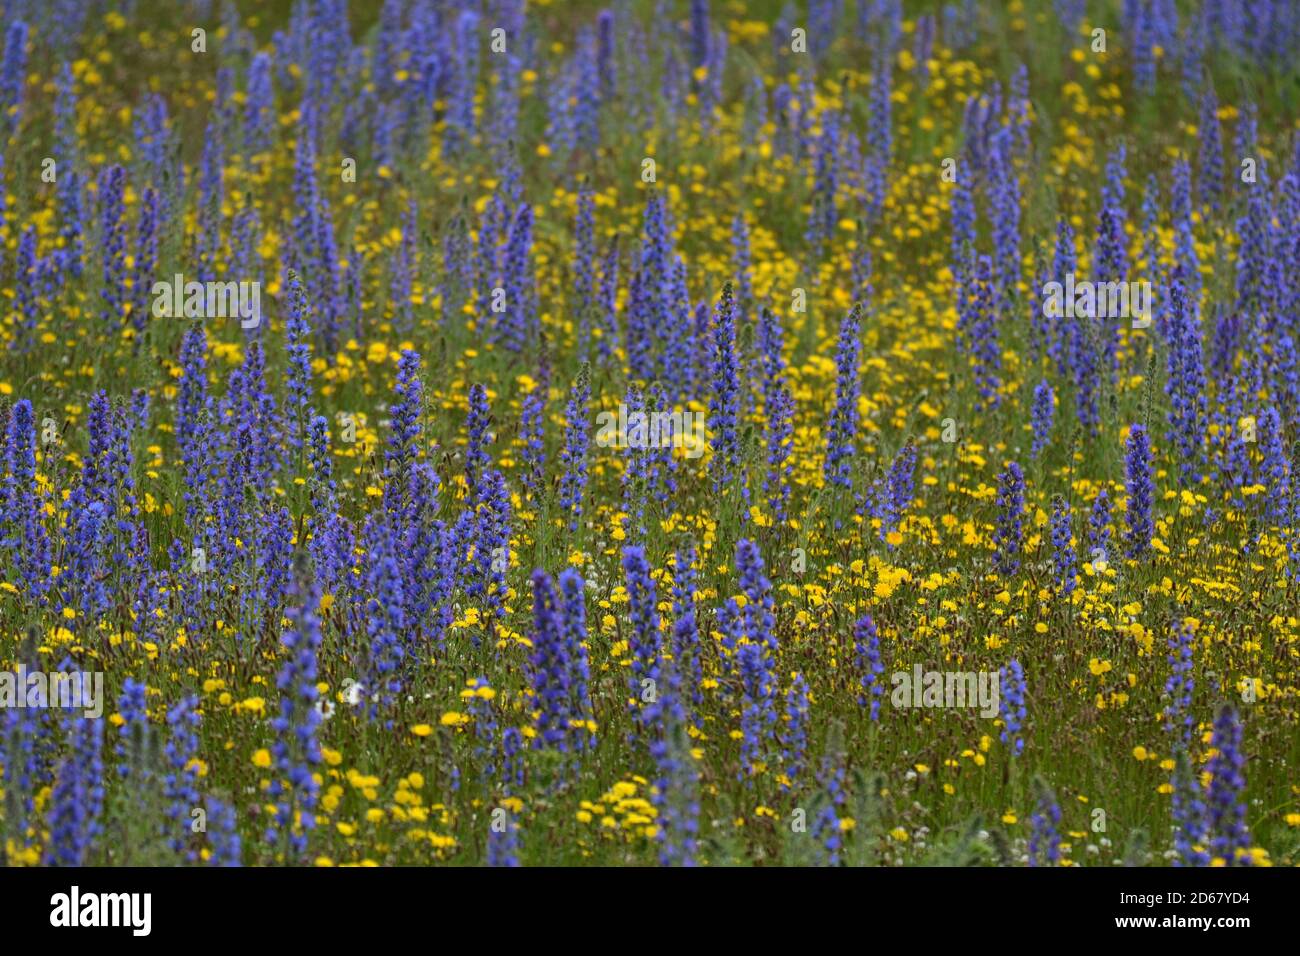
(503, 842)
(986, 353)
(756, 657)
(331, 536)
(76, 801)
(1099, 529)
(870, 669)
(1045, 837)
(724, 404)
(675, 794)
(477, 459)
(897, 490)
(296, 752)
(27, 538)
(26, 741)
(180, 785)
(146, 260)
(962, 254)
(757, 672)
(636, 477)
(740, 261)
(573, 456)
(259, 106)
(1185, 379)
(686, 636)
(1211, 143)
(77, 797)
(1008, 536)
(135, 724)
(25, 276)
(223, 835)
(1005, 202)
(838, 465)
(645, 640)
(794, 732)
(1011, 680)
(1275, 468)
(517, 327)
(1064, 564)
(559, 673)
(479, 695)
(532, 425)
(1141, 489)
(1044, 408)
(405, 414)
(1112, 248)
(573, 606)
(584, 263)
(549, 670)
(13, 77)
(1229, 836)
(778, 408)
(828, 829)
(112, 183)
(1061, 335)
(298, 346)
(492, 516)
(780, 448)
(1191, 835)
(823, 217)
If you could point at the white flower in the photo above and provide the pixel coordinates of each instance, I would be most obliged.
(352, 692)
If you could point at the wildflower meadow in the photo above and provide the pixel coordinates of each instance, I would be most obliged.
(686, 432)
